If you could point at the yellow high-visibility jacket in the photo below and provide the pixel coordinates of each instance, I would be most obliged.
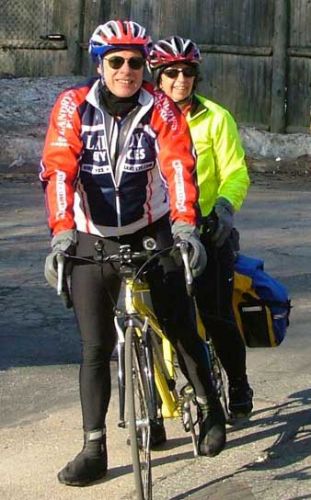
(221, 167)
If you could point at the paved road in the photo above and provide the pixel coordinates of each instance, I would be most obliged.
(40, 417)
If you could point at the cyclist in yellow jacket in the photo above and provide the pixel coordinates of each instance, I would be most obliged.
(223, 182)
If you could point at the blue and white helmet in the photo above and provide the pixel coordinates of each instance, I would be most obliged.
(118, 35)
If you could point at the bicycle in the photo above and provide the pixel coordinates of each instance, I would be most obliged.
(146, 370)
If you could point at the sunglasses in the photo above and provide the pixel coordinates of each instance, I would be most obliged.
(188, 72)
(116, 62)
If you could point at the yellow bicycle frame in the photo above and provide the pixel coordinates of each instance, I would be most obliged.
(138, 300)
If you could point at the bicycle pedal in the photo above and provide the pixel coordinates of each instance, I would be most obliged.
(187, 392)
(185, 420)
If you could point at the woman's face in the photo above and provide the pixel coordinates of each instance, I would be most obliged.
(122, 71)
(177, 81)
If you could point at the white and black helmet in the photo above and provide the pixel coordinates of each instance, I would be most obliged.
(172, 50)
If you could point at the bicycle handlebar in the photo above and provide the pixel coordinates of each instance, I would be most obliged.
(125, 256)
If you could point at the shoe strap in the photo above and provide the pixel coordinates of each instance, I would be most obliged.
(95, 435)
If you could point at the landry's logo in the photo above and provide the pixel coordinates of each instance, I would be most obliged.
(137, 155)
(93, 142)
(97, 144)
(163, 106)
(66, 111)
(136, 148)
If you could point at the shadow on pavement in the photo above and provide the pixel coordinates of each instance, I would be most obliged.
(292, 444)
(291, 425)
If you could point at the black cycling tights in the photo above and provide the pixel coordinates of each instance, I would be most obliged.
(92, 290)
(214, 300)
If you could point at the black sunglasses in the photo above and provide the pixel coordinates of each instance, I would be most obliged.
(116, 62)
(188, 72)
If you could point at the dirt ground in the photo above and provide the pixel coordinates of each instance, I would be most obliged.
(40, 427)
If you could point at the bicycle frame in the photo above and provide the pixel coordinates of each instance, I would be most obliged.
(139, 299)
(138, 305)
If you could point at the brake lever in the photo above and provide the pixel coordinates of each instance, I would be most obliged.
(62, 285)
(60, 258)
(184, 251)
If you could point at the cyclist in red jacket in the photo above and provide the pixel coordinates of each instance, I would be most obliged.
(118, 164)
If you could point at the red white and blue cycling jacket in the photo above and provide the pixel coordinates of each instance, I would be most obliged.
(108, 177)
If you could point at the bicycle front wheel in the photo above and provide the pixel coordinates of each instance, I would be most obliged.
(136, 382)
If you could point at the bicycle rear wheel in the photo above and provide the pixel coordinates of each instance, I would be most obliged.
(137, 393)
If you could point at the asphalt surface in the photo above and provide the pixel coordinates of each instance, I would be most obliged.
(40, 424)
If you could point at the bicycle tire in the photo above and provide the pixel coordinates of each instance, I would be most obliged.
(138, 415)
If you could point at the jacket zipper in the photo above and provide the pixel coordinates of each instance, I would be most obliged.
(113, 171)
(118, 207)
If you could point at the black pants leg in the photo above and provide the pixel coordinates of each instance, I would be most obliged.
(176, 315)
(94, 312)
(214, 299)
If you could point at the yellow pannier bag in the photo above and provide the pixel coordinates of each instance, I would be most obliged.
(260, 303)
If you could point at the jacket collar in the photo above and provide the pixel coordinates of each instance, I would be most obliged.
(145, 97)
(199, 106)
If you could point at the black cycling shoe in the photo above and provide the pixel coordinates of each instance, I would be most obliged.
(88, 466)
(240, 400)
(157, 437)
(212, 425)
